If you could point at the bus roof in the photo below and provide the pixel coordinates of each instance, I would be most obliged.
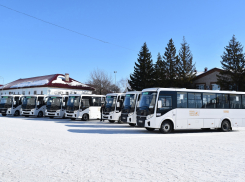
(91, 95)
(116, 94)
(191, 90)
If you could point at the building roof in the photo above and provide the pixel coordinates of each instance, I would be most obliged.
(55, 80)
(202, 74)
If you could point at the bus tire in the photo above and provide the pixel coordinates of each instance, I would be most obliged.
(132, 124)
(166, 127)
(3, 114)
(40, 114)
(85, 117)
(150, 129)
(225, 126)
(120, 121)
(73, 119)
(111, 121)
(16, 113)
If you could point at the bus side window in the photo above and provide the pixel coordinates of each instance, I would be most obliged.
(96, 101)
(235, 101)
(194, 100)
(243, 101)
(181, 100)
(222, 101)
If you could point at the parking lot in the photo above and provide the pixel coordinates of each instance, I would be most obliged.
(44, 149)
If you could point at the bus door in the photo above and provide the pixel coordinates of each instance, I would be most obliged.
(166, 104)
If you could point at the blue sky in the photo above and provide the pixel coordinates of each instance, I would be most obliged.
(30, 48)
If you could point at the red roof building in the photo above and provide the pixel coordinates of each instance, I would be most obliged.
(49, 84)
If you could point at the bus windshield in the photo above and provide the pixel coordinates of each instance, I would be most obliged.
(6, 102)
(54, 103)
(110, 102)
(73, 103)
(147, 103)
(29, 102)
(129, 103)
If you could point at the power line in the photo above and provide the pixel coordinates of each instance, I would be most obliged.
(63, 27)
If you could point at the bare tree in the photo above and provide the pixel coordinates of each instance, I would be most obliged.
(124, 85)
(102, 82)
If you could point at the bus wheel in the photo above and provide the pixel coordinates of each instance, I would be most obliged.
(150, 129)
(51, 117)
(132, 124)
(40, 114)
(73, 119)
(166, 127)
(111, 121)
(16, 113)
(120, 121)
(3, 114)
(225, 126)
(85, 117)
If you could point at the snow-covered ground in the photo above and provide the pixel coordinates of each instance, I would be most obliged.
(43, 149)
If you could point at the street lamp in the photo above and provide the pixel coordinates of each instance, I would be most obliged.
(115, 77)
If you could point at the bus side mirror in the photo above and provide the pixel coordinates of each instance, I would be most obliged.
(159, 104)
(38, 103)
(118, 104)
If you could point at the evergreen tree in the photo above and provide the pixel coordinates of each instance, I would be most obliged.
(143, 76)
(171, 62)
(232, 76)
(186, 68)
(160, 72)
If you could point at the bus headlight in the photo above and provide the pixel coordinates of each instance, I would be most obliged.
(130, 114)
(149, 116)
(111, 112)
(58, 111)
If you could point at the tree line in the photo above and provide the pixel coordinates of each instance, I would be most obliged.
(178, 70)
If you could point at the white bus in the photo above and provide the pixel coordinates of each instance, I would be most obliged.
(113, 106)
(168, 109)
(84, 107)
(33, 105)
(10, 105)
(129, 107)
(56, 106)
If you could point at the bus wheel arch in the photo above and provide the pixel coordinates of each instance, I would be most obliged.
(167, 126)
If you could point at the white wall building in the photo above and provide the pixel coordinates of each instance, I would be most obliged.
(46, 85)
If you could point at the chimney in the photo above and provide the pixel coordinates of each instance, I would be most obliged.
(67, 77)
(205, 69)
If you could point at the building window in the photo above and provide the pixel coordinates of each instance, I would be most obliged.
(35, 92)
(29, 93)
(23, 92)
(215, 86)
(67, 93)
(41, 92)
(200, 86)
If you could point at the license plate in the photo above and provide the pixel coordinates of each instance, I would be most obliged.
(124, 118)
(140, 121)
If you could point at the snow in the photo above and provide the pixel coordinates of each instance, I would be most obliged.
(61, 79)
(43, 149)
(199, 73)
(29, 84)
